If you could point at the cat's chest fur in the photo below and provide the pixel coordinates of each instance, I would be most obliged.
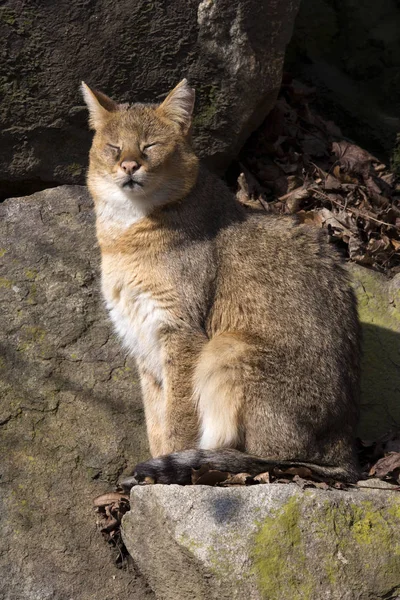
(137, 315)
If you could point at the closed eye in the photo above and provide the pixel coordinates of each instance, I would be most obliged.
(115, 148)
(147, 146)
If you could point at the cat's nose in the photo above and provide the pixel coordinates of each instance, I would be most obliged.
(129, 166)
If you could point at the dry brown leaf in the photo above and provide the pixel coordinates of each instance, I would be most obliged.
(311, 217)
(389, 178)
(339, 485)
(373, 188)
(304, 483)
(357, 251)
(293, 200)
(376, 246)
(109, 498)
(207, 476)
(331, 184)
(303, 472)
(242, 194)
(293, 182)
(322, 485)
(389, 465)
(396, 244)
(352, 158)
(330, 221)
(197, 473)
(110, 525)
(263, 477)
(238, 479)
(342, 176)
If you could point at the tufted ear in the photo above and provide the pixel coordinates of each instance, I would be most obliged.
(178, 105)
(99, 105)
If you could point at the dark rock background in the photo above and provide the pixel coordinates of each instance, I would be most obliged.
(231, 52)
(350, 50)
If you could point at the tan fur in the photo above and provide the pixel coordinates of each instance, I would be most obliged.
(155, 417)
(243, 325)
(220, 369)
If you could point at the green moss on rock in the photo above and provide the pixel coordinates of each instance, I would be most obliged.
(74, 169)
(278, 543)
(5, 283)
(8, 16)
(305, 545)
(205, 116)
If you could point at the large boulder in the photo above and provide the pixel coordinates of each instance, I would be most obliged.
(71, 417)
(265, 542)
(231, 51)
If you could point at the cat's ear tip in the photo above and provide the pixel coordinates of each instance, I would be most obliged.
(184, 83)
(85, 89)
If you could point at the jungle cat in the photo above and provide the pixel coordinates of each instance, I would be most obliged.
(243, 325)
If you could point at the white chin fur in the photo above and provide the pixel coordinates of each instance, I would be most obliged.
(123, 206)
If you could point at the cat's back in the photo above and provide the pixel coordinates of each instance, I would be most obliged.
(282, 274)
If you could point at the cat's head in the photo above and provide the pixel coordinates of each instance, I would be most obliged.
(142, 150)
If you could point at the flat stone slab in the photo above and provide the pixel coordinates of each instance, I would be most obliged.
(272, 542)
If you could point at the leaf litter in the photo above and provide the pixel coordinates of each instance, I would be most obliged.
(110, 508)
(301, 164)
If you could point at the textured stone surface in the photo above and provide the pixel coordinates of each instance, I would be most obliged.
(379, 310)
(70, 410)
(231, 51)
(271, 542)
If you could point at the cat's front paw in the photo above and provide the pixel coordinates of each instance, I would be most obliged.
(145, 473)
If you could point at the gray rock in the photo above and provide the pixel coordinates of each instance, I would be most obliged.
(70, 411)
(231, 51)
(375, 483)
(270, 542)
